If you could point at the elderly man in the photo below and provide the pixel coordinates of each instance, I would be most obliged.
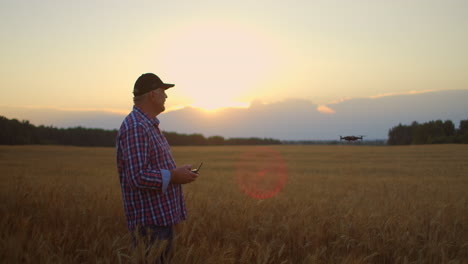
(151, 183)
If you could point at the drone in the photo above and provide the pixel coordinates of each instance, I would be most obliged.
(351, 138)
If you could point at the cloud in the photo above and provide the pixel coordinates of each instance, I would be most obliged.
(403, 93)
(294, 119)
(377, 96)
(325, 109)
(302, 120)
(65, 117)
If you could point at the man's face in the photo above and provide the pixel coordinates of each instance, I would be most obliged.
(158, 97)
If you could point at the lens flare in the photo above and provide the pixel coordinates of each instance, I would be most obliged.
(261, 172)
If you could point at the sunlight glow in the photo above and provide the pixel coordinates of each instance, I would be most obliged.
(216, 64)
(325, 109)
(215, 105)
(403, 93)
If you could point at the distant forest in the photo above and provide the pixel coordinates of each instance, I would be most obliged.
(14, 132)
(433, 132)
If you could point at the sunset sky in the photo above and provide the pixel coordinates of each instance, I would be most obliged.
(86, 55)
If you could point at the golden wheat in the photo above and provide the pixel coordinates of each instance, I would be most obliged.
(340, 204)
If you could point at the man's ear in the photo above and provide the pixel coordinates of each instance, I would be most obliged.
(152, 94)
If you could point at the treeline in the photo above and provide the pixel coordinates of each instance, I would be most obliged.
(433, 132)
(14, 132)
(177, 139)
(374, 142)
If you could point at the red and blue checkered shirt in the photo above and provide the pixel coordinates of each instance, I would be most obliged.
(144, 159)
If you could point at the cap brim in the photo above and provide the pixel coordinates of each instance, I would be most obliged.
(167, 85)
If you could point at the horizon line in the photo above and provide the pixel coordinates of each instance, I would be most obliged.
(322, 108)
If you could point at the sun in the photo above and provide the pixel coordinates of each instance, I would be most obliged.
(217, 64)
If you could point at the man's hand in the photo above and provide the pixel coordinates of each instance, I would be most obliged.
(183, 175)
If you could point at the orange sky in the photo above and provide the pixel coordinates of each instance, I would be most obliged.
(88, 54)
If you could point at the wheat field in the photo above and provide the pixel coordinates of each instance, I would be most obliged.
(339, 204)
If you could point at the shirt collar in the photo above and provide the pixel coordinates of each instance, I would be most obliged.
(154, 121)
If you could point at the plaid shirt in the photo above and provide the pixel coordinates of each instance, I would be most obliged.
(144, 160)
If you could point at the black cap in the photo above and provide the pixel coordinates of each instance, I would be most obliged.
(148, 82)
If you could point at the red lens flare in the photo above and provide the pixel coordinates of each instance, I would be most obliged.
(261, 172)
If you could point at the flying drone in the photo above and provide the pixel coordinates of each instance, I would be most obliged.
(351, 138)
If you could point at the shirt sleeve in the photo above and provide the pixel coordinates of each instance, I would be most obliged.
(166, 177)
(136, 150)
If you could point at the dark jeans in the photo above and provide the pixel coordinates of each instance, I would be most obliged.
(152, 236)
